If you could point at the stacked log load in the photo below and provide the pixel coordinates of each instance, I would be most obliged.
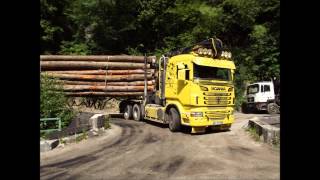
(118, 75)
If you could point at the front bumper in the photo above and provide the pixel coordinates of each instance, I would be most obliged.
(261, 106)
(209, 118)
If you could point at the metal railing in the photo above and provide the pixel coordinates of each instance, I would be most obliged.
(51, 119)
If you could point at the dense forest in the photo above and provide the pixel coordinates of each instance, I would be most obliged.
(249, 28)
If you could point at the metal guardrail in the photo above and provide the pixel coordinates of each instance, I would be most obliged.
(51, 119)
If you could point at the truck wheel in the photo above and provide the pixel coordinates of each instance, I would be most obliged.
(127, 112)
(136, 112)
(244, 108)
(273, 108)
(174, 120)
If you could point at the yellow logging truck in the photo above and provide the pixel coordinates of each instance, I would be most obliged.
(194, 88)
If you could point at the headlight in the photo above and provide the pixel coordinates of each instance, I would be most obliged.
(196, 114)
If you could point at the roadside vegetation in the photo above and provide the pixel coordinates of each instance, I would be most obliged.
(53, 103)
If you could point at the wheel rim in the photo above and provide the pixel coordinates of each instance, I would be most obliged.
(126, 113)
(135, 114)
(273, 109)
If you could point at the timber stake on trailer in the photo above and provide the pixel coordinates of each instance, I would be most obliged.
(145, 81)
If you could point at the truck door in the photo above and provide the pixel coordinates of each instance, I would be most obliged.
(266, 93)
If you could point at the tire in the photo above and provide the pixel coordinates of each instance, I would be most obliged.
(136, 112)
(174, 120)
(127, 112)
(273, 108)
(244, 108)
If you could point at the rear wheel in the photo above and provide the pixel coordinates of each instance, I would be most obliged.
(127, 112)
(137, 112)
(174, 120)
(273, 108)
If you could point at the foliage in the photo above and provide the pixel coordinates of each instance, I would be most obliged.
(249, 28)
(107, 122)
(53, 102)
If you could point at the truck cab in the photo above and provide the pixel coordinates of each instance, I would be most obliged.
(258, 96)
(195, 89)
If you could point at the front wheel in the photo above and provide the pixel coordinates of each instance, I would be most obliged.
(244, 108)
(174, 120)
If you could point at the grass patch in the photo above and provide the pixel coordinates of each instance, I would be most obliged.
(253, 133)
(83, 136)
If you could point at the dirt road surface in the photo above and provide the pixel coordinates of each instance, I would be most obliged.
(147, 151)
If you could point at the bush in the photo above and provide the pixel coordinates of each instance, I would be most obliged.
(53, 102)
(107, 122)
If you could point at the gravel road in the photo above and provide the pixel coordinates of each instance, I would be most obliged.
(147, 151)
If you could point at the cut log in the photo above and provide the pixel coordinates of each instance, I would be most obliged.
(111, 94)
(105, 88)
(124, 78)
(133, 83)
(103, 72)
(102, 58)
(71, 65)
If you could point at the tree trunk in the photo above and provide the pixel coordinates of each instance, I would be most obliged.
(110, 94)
(133, 83)
(103, 72)
(105, 88)
(71, 65)
(117, 58)
(124, 78)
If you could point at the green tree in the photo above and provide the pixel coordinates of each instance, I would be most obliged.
(53, 102)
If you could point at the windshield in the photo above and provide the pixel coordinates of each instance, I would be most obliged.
(214, 73)
(253, 89)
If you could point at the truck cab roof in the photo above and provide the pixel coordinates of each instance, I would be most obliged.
(262, 82)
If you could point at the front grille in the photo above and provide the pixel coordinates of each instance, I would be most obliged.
(216, 115)
(221, 102)
(217, 98)
(210, 98)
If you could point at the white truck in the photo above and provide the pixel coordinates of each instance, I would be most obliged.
(262, 96)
